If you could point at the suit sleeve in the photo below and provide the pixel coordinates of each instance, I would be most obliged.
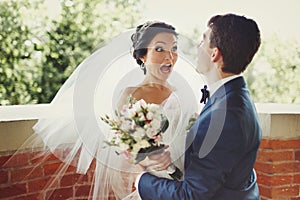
(204, 176)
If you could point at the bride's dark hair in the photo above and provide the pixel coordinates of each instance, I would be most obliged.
(144, 34)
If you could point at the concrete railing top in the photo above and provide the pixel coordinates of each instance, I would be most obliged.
(276, 108)
(35, 111)
(277, 121)
(22, 112)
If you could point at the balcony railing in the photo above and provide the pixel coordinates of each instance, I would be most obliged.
(277, 164)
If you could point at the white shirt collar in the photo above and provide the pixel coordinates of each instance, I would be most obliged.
(216, 85)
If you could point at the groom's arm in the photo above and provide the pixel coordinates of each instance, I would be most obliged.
(203, 176)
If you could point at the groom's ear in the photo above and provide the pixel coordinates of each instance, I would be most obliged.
(216, 54)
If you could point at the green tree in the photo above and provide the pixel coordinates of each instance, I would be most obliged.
(273, 76)
(37, 58)
(17, 74)
(83, 25)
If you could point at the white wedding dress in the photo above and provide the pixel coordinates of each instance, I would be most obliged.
(71, 128)
(178, 116)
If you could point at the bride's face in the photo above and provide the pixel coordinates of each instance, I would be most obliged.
(161, 56)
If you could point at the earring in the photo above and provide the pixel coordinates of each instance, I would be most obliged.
(142, 66)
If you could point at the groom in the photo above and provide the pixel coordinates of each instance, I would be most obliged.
(223, 143)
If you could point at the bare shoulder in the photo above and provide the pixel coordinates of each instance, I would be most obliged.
(128, 91)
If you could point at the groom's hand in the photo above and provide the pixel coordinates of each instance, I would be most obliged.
(160, 161)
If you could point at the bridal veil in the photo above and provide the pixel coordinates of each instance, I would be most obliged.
(71, 128)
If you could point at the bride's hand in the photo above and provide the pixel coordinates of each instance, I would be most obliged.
(157, 162)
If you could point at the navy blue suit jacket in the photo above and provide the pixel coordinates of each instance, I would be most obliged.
(221, 150)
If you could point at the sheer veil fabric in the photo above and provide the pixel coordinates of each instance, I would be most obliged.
(71, 128)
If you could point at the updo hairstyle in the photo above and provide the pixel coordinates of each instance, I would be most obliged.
(144, 34)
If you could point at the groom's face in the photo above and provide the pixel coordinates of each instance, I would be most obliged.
(204, 62)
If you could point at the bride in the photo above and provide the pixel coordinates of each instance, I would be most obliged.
(77, 136)
(156, 52)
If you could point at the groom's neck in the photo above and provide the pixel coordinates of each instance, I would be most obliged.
(217, 74)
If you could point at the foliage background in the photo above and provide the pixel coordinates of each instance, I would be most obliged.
(38, 54)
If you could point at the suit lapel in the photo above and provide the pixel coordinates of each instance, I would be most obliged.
(209, 103)
(234, 84)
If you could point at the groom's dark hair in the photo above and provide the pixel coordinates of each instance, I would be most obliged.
(237, 38)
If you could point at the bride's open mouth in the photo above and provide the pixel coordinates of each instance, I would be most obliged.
(166, 68)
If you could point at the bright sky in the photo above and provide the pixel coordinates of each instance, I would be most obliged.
(273, 16)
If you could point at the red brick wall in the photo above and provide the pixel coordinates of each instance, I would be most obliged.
(278, 169)
(16, 184)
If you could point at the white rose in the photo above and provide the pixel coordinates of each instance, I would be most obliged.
(123, 146)
(132, 125)
(155, 124)
(150, 115)
(141, 117)
(146, 126)
(135, 148)
(126, 125)
(144, 144)
(137, 106)
(154, 107)
(142, 103)
(140, 145)
(151, 132)
(130, 113)
(121, 120)
(124, 109)
(139, 133)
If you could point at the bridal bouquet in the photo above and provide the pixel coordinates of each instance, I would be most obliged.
(137, 132)
(137, 129)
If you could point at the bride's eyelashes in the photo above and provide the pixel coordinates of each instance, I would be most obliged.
(161, 49)
(174, 49)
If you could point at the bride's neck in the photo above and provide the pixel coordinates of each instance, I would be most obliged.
(155, 83)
